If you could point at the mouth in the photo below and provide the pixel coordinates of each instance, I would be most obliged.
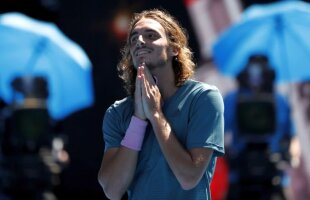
(141, 52)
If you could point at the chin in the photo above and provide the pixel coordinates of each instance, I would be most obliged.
(140, 60)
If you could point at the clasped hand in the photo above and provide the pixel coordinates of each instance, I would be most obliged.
(147, 95)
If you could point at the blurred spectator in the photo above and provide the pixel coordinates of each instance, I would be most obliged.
(258, 131)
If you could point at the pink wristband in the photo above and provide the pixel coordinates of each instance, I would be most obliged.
(135, 134)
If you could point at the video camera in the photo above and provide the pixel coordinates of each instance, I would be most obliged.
(256, 118)
(29, 166)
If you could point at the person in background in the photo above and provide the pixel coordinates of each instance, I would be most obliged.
(258, 134)
(162, 140)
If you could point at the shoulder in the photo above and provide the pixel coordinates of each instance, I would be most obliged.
(205, 95)
(120, 107)
(203, 90)
(122, 102)
(280, 97)
(200, 86)
(282, 102)
(118, 114)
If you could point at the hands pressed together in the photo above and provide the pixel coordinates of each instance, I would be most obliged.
(147, 95)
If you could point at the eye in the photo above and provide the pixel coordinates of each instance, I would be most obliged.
(152, 36)
(133, 39)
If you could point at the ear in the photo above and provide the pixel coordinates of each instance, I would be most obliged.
(173, 51)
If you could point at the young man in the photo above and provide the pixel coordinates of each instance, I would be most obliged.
(161, 142)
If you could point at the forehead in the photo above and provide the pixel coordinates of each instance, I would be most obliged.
(148, 24)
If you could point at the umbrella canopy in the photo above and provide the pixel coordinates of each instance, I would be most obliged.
(29, 48)
(279, 30)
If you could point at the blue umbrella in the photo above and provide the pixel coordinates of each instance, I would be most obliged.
(279, 30)
(30, 48)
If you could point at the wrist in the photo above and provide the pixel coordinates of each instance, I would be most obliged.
(134, 135)
(137, 121)
(156, 116)
(161, 126)
(139, 117)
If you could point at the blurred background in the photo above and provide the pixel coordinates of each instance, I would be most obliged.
(99, 27)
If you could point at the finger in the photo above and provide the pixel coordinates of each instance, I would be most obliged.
(139, 72)
(148, 75)
(138, 102)
(143, 84)
(138, 82)
(145, 87)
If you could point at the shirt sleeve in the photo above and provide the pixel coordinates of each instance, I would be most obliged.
(112, 130)
(286, 125)
(206, 123)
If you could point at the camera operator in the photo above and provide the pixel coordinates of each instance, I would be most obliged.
(258, 131)
(32, 154)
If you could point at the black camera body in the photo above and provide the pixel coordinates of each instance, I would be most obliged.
(26, 159)
(256, 118)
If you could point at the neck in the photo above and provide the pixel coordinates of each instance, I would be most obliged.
(166, 81)
(167, 87)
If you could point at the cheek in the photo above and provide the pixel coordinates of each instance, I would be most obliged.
(165, 52)
(132, 59)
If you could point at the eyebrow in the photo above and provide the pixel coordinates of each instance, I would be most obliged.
(136, 32)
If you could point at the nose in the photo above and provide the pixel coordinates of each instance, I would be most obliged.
(140, 41)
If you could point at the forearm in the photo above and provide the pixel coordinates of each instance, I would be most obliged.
(187, 167)
(117, 171)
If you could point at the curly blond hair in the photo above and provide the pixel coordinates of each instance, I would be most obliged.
(183, 64)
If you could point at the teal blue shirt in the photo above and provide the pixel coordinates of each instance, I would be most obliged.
(195, 113)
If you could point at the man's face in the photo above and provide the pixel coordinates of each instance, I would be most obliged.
(149, 44)
(255, 74)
